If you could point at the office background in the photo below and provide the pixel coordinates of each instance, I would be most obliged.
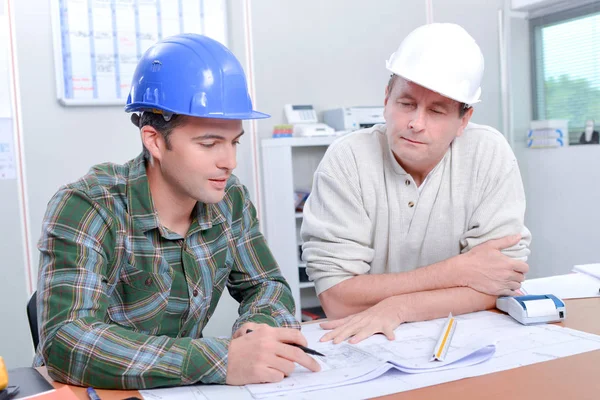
(326, 53)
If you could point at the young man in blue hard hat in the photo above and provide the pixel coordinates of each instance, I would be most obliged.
(134, 257)
(424, 215)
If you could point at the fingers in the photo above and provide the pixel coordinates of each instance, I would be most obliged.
(389, 333)
(339, 334)
(333, 324)
(517, 277)
(504, 242)
(349, 329)
(271, 375)
(505, 292)
(293, 354)
(521, 267)
(514, 285)
(363, 334)
(358, 333)
(283, 365)
(289, 335)
(509, 292)
(242, 330)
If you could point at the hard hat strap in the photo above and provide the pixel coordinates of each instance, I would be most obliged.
(166, 115)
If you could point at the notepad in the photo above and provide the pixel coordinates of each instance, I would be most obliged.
(29, 381)
(64, 393)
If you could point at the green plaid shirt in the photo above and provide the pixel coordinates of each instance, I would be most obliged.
(122, 300)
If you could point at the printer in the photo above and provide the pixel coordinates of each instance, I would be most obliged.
(353, 118)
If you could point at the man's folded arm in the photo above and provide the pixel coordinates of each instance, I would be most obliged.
(338, 250)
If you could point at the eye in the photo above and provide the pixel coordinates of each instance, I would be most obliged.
(207, 145)
(437, 112)
(406, 104)
(236, 142)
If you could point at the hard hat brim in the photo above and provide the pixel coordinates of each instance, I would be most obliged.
(133, 107)
(469, 102)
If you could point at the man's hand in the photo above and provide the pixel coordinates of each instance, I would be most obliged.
(491, 272)
(242, 330)
(383, 318)
(264, 356)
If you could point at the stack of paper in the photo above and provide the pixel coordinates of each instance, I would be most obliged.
(588, 269)
(569, 286)
(583, 283)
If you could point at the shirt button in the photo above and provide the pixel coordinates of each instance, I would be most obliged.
(149, 282)
(183, 333)
(407, 182)
(195, 292)
(411, 204)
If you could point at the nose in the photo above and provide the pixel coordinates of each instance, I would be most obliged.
(228, 158)
(417, 122)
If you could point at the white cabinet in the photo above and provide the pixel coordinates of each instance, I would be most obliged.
(289, 164)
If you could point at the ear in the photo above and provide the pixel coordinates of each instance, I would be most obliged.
(464, 121)
(387, 95)
(153, 141)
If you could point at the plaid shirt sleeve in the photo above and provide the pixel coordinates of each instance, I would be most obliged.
(255, 280)
(77, 343)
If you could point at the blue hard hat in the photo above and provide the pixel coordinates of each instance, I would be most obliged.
(194, 75)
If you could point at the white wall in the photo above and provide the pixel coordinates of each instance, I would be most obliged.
(563, 207)
(480, 19)
(14, 329)
(326, 53)
(332, 53)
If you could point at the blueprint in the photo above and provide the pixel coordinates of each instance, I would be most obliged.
(371, 368)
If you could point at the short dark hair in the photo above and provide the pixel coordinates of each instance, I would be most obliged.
(462, 107)
(158, 122)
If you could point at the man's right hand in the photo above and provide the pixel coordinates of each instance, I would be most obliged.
(264, 356)
(491, 272)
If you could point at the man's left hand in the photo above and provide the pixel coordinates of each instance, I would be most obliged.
(241, 331)
(383, 317)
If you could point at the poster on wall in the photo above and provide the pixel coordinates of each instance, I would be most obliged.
(97, 43)
(8, 168)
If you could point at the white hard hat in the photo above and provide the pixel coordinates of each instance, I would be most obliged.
(443, 58)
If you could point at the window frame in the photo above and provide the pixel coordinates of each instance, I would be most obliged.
(535, 25)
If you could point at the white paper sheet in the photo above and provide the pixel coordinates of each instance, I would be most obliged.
(570, 286)
(588, 269)
(516, 345)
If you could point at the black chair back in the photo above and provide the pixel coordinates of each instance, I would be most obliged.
(32, 317)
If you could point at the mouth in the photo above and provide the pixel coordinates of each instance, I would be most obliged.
(410, 141)
(218, 183)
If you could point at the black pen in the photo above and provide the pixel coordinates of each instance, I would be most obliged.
(303, 348)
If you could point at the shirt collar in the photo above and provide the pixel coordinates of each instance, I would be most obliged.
(396, 165)
(141, 206)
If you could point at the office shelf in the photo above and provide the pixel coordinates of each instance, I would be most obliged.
(288, 164)
(305, 285)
